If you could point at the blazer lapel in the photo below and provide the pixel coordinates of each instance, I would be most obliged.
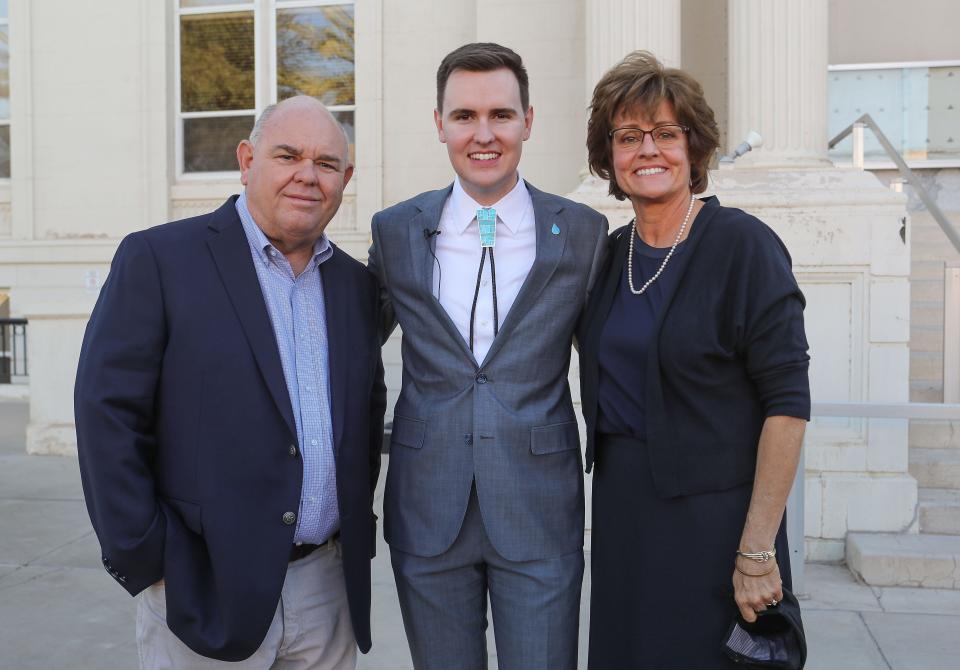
(231, 254)
(337, 303)
(550, 248)
(422, 255)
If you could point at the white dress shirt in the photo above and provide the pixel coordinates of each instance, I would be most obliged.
(458, 255)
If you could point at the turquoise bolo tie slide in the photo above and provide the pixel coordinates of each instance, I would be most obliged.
(487, 220)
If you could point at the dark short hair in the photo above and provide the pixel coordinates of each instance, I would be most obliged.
(483, 57)
(640, 83)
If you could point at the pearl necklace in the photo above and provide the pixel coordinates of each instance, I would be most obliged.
(666, 259)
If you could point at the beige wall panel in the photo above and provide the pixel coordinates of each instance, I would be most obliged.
(883, 31)
(87, 118)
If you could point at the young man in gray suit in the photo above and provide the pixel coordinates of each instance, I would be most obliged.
(484, 493)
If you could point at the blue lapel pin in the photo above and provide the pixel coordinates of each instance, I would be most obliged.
(555, 230)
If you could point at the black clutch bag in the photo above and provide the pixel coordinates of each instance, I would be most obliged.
(774, 640)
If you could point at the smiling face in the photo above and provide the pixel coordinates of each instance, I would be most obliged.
(484, 125)
(296, 173)
(646, 173)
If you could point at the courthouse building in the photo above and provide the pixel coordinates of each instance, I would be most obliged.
(123, 114)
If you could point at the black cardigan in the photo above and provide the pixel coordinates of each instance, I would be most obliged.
(729, 350)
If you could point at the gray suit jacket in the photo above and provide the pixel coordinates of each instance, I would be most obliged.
(507, 424)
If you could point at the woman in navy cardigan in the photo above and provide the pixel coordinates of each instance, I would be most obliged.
(693, 364)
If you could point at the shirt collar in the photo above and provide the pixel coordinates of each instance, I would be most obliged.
(511, 208)
(322, 249)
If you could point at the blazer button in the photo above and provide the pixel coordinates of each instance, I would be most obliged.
(481, 378)
(293, 450)
(289, 518)
(468, 439)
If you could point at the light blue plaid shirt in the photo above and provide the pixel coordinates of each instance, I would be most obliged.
(298, 315)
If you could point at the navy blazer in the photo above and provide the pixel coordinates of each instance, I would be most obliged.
(186, 435)
(728, 350)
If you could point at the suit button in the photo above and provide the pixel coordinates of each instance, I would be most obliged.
(289, 518)
(468, 439)
(293, 450)
(481, 378)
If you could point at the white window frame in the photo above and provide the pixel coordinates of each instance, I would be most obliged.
(265, 73)
(934, 163)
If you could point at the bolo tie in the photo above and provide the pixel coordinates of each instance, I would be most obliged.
(487, 221)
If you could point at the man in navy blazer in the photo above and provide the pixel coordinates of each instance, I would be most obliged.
(229, 410)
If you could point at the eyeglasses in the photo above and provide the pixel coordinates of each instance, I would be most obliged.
(666, 136)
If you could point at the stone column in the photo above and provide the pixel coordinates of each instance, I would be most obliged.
(614, 28)
(778, 80)
(617, 27)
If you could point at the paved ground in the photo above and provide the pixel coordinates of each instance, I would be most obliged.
(59, 609)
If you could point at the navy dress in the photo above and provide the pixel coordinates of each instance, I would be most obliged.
(662, 596)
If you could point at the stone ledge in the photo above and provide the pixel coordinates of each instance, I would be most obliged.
(895, 559)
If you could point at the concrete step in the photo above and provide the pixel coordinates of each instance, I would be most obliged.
(927, 313)
(936, 468)
(922, 268)
(939, 511)
(934, 434)
(926, 289)
(926, 390)
(901, 559)
(926, 365)
(925, 338)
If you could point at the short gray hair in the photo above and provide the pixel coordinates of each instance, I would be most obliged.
(257, 130)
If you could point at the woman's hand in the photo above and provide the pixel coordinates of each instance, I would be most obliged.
(756, 593)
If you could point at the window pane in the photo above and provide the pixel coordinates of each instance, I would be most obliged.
(217, 62)
(4, 152)
(944, 120)
(346, 120)
(918, 109)
(210, 145)
(315, 53)
(4, 9)
(4, 72)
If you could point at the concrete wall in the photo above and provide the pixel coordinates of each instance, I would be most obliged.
(882, 31)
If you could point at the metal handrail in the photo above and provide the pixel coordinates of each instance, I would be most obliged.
(907, 174)
(889, 410)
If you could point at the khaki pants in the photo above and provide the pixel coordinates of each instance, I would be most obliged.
(310, 630)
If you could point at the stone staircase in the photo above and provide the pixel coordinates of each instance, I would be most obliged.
(929, 556)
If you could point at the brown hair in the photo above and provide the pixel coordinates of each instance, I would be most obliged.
(483, 57)
(641, 82)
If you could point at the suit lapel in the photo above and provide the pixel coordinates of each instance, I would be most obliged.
(231, 254)
(550, 246)
(422, 255)
(338, 304)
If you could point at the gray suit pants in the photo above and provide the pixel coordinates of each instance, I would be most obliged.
(535, 605)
